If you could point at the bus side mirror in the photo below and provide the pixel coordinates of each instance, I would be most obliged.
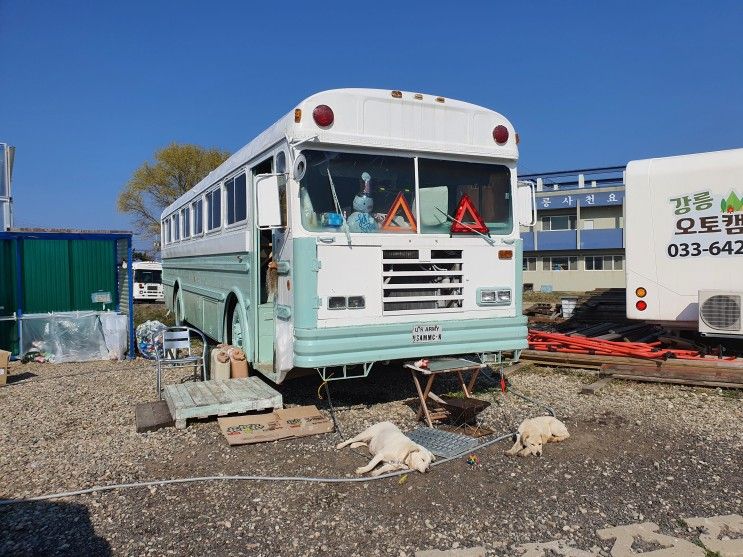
(268, 201)
(526, 203)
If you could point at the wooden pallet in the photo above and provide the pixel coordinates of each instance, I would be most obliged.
(219, 397)
(711, 372)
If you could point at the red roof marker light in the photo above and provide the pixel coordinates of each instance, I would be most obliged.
(323, 115)
(500, 134)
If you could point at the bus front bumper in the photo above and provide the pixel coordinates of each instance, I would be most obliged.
(335, 346)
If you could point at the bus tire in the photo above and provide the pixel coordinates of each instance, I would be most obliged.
(236, 329)
(178, 308)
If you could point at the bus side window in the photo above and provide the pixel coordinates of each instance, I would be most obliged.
(280, 163)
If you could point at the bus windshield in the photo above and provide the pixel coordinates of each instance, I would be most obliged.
(150, 276)
(361, 188)
(377, 193)
(443, 183)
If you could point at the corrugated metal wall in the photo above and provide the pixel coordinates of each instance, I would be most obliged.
(45, 273)
(7, 278)
(8, 305)
(60, 275)
(92, 268)
(122, 253)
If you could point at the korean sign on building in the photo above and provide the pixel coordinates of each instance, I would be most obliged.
(706, 224)
(575, 198)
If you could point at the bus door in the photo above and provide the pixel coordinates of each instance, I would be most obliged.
(265, 285)
(265, 298)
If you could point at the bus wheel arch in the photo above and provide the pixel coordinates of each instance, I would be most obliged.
(178, 308)
(236, 323)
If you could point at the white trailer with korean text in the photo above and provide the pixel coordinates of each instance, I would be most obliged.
(684, 242)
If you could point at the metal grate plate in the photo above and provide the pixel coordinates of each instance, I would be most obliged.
(442, 443)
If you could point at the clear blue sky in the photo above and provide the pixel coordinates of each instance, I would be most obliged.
(89, 90)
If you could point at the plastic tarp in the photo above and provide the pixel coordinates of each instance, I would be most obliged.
(73, 337)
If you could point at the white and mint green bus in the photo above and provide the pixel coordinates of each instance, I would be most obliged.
(364, 226)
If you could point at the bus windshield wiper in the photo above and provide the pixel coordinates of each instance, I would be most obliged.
(338, 207)
(487, 238)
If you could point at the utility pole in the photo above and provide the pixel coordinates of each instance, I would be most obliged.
(7, 156)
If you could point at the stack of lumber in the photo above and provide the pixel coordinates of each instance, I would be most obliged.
(630, 332)
(541, 308)
(602, 305)
(574, 344)
(681, 362)
(709, 372)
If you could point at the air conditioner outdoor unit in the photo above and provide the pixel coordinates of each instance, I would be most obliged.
(720, 313)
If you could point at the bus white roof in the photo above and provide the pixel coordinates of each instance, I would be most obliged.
(374, 118)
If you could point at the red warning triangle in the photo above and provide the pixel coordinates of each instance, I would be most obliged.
(390, 225)
(461, 226)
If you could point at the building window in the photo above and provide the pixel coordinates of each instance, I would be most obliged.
(604, 263)
(198, 222)
(530, 263)
(236, 199)
(214, 206)
(176, 228)
(559, 222)
(560, 264)
(594, 263)
(185, 218)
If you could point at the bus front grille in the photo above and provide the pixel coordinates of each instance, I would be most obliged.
(413, 285)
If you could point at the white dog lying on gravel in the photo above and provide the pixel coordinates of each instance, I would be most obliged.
(388, 444)
(534, 432)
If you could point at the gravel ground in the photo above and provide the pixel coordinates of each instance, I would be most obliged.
(638, 452)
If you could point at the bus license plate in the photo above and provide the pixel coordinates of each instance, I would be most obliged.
(426, 333)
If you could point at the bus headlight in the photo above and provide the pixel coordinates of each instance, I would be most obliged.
(488, 296)
(337, 302)
(493, 296)
(356, 302)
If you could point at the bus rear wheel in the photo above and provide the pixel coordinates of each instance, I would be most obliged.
(236, 329)
(178, 309)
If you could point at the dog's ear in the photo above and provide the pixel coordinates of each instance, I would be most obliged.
(416, 460)
(523, 438)
(412, 459)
